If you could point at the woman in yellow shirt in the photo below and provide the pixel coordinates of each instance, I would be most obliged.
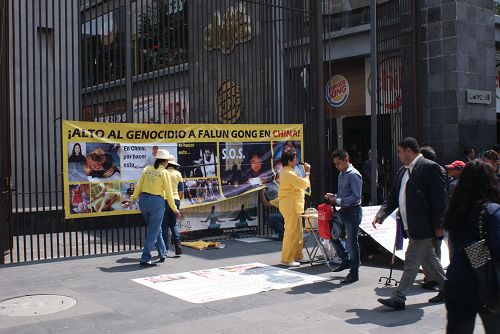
(154, 189)
(291, 206)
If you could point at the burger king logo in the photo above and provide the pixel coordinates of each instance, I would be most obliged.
(337, 91)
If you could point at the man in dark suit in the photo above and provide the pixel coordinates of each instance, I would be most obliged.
(420, 195)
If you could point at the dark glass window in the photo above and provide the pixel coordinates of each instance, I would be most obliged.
(103, 51)
(160, 36)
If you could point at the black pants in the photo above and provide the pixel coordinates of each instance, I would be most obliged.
(462, 316)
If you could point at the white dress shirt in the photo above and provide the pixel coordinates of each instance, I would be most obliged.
(402, 191)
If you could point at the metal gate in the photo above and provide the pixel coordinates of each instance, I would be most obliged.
(169, 61)
(131, 61)
(398, 72)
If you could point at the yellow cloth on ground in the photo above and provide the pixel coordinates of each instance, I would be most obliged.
(200, 244)
(291, 206)
(155, 182)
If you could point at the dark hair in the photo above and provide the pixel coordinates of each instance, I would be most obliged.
(340, 153)
(73, 153)
(491, 155)
(411, 143)
(468, 150)
(288, 156)
(158, 162)
(428, 153)
(477, 184)
(496, 148)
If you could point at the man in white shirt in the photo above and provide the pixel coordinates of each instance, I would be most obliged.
(420, 194)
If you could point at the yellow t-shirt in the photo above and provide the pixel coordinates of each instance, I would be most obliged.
(292, 186)
(175, 179)
(275, 202)
(155, 182)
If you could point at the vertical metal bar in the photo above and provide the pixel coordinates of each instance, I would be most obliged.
(163, 47)
(373, 117)
(317, 101)
(59, 121)
(53, 112)
(5, 163)
(415, 45)
(14, 121)
(106, 15)
(34, 132)
(23, 86)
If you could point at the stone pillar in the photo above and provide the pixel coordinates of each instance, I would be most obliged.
(457, 45)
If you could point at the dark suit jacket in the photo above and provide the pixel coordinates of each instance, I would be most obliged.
(426, 195)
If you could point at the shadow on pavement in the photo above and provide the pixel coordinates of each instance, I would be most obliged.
(315, 288)
(386, 317)
(128, 260)
(122, 269)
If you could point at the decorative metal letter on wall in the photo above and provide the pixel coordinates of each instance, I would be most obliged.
(228, 30)
(228, 102)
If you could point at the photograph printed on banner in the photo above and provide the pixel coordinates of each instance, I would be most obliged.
(136, 157)
(105, 196)
(279, 148)
(199, 191)
(244, 166)
(76, 162)
(127, 190)
(232, 215)
(79, 198)
(102, 162)
(197, 159)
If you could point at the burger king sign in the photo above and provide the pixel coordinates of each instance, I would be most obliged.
(337, 91)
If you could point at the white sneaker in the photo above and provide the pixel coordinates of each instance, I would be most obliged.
(303, 260)
(291, 264)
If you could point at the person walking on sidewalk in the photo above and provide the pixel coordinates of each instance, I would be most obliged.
(153, 189)
(420, 194)
(348, 198)
(169, 218)
(291, 205)
(476, 197)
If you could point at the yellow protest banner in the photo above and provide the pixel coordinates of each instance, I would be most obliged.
(104, 161)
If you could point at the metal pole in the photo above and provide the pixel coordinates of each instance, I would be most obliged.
(373, 118)
(5, 170)
(128, 60)
(317, 103)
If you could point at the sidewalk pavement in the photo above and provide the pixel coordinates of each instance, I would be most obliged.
(109, 302)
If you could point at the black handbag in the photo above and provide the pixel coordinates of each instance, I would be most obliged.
(336, 225)
(486, 269)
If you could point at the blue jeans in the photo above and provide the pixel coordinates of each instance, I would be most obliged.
(351, 218)
(170, 222)
(340, 249)
(276, 222)
(152, 208)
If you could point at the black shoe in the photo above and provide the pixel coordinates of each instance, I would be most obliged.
(147, 264)
(178, 250)
(439, 298)
(351, 278)
(389, 302)
(343, 266)
(429, 285)
(162, 259)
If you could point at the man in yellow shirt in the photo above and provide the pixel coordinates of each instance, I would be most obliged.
(169, 218)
